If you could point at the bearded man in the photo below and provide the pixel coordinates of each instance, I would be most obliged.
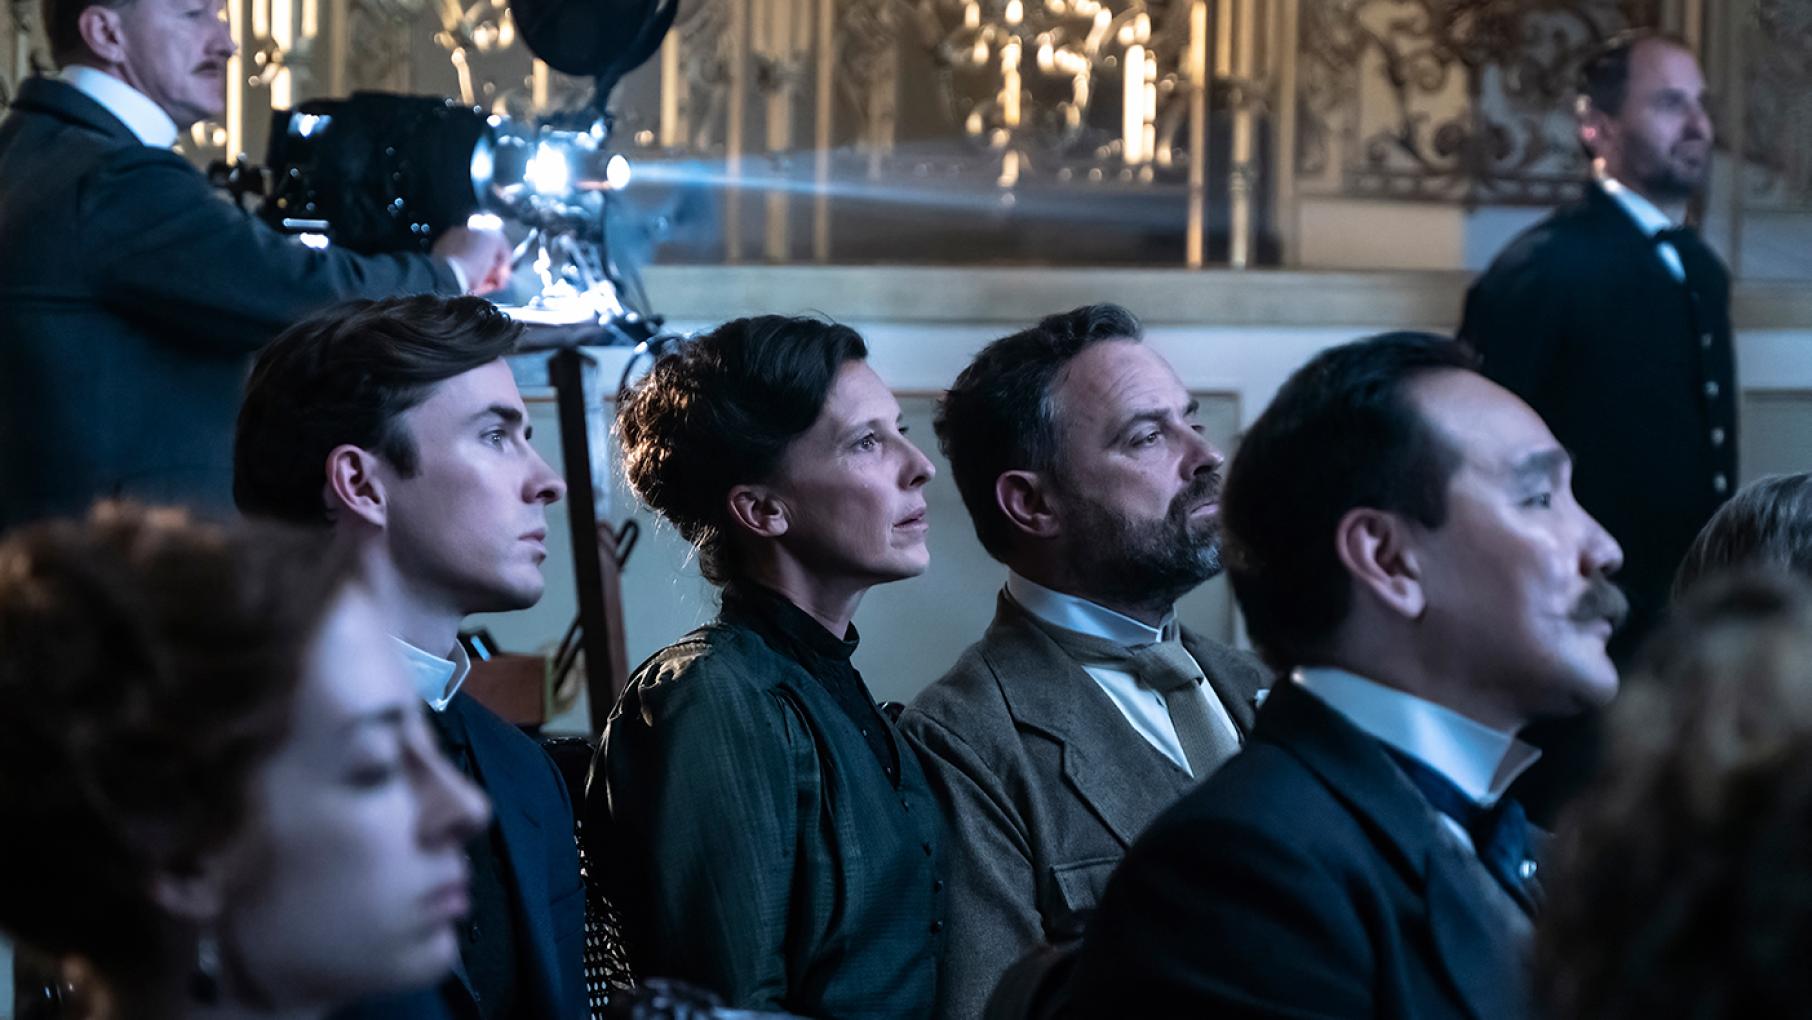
(1085, 710)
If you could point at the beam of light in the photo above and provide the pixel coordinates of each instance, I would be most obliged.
(1078, 203)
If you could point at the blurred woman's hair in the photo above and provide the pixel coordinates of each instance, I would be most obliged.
(1767, 524)
(148, 666)
(1681, 882)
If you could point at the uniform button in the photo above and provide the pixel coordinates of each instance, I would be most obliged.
(1711, 390)
(937, 885)
(1717, 437)
(926, 846)
(936, 926)
(472, 932)
(1526, 870)
(1705, 341)
(1719, 483)
(904, 803)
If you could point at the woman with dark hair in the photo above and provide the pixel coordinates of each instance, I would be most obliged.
(221, 799)
(765, 832)
(1681, 881)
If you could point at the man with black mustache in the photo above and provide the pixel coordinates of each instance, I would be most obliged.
(1402, 537)
(131, 293)
(1612, 319)
(1085, 709)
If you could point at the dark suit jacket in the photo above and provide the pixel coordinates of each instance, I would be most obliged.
(1307, 878)
(1043, 786)
(131, 295)
(1581, 318)
(535, 816)
(754, 845)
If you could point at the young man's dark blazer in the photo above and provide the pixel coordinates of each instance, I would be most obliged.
(131, 298)
(1043, 785)
(535, 815)
(1306, 878)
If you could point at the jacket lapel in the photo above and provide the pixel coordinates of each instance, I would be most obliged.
(1123, 780)
(1469, 933)
(525, 856)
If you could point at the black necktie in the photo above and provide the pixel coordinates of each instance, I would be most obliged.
(1500, 833)
(1695, 255)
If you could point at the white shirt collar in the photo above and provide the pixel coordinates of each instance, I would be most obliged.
(436, 679)
(145, 118)
(1647, 214)
(1481, 761)
(1072, 612)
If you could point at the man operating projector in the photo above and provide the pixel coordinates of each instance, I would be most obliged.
(131, 293)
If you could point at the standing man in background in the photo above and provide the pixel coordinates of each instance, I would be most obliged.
(1611, 318)
(131, 293)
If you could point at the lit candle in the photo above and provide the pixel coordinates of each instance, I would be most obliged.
(1133, 105)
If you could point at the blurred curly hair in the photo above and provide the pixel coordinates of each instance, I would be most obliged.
(148, 667)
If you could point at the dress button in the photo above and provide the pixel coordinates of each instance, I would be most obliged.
(1719, 483)
(1526, 870)
(1717, 437)
(937, 885)
(905, 804)
(472, 932)
(1705, 341)
(1711, 390)
(936, 926)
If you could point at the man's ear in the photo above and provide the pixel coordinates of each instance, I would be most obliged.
(758, 510)
(1025, 498)
(103, 33)
(1375, 548)
(1596, 131)
(354, 485)
(195, 895)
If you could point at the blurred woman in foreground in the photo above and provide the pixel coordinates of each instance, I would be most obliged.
(1682, 880)
(220, 796)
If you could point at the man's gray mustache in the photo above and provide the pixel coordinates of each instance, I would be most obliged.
(1602, 601)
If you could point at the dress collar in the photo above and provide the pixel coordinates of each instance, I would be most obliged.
(141, 116)
(774, 615)
(1481, 761)
(1073, 612)
(436, 679)
(1648, 215)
